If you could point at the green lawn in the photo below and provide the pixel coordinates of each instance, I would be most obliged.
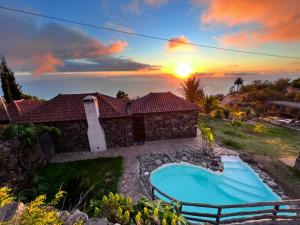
(274, 141)
(76, 178)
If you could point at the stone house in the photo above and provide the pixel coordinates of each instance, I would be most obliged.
(10, 112)
(95, 122)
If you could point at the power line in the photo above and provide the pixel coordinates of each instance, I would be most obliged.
(145, 35)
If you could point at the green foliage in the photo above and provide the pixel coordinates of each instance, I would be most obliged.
(76, 188)
(39, 212)
(273, 141)
(5, 196)
(115, 207)
(192, 90)
(27, 134)
(36, 212)
(259, 128)
(90, 178)
(296, 83)
(257, 93)
(119, 209)
(11, 90)
(122, 95)
(209, 104)
(235, 124)
(207, 137)
(238, 83)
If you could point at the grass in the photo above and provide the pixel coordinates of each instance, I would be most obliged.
(75, 177)
(273, 141)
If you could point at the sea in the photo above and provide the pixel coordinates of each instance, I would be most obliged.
(48, 86)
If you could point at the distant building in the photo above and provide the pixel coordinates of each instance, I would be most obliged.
(94, 121)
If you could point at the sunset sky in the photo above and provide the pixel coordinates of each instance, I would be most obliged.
(37, 46)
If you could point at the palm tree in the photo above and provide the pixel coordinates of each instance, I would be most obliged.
(192, 90)
(238, 83)
(209, 104)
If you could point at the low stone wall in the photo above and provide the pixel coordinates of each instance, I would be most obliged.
(206, 159)
(12, 172)
(159, 126)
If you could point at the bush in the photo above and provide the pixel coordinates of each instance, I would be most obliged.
(118, 209)
(36, 212)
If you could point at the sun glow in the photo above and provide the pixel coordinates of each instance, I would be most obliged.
(183, 70)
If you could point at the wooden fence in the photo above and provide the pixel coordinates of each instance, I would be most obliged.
(284, 210)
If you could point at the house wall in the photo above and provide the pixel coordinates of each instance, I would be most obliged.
(73, 137)
(160, 126)
(118, 132)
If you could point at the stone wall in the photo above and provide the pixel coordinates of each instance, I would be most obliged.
(73, 137)
(12, 172)
(118, 131)
(160, 126)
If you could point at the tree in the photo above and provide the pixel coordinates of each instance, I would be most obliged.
(238, 83)
(192, 90)
(209, 104)
(122, 95)
(11, 90)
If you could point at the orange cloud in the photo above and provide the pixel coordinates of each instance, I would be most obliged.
(45, 63)
(39, 49)
(177, 44)
(275, 20)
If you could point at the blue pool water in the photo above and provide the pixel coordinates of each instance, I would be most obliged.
(237, 184)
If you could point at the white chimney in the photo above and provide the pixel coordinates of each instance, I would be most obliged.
(95, 133)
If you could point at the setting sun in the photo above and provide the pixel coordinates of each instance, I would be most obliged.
(183, 70)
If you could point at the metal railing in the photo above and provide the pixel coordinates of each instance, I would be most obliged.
(284, 210)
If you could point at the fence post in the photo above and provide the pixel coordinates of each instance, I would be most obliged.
(276, 208)
(152, 193)
(218, 215)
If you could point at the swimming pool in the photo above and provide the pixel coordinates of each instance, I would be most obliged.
(238, 184)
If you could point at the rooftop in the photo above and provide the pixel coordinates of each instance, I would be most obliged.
(69, 107)
(11, 111)
(294, 105)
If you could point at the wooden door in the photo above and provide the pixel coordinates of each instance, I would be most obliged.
(139, 128)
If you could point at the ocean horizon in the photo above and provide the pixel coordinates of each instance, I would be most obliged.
(48, 86)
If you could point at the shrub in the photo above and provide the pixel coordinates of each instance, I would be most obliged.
(258, 128)
(27, 135)
(5, 196)
(37, 212)
(118, 209)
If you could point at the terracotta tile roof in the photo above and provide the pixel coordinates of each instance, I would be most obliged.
(69, 107)
(18, 107)
(161, 102)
